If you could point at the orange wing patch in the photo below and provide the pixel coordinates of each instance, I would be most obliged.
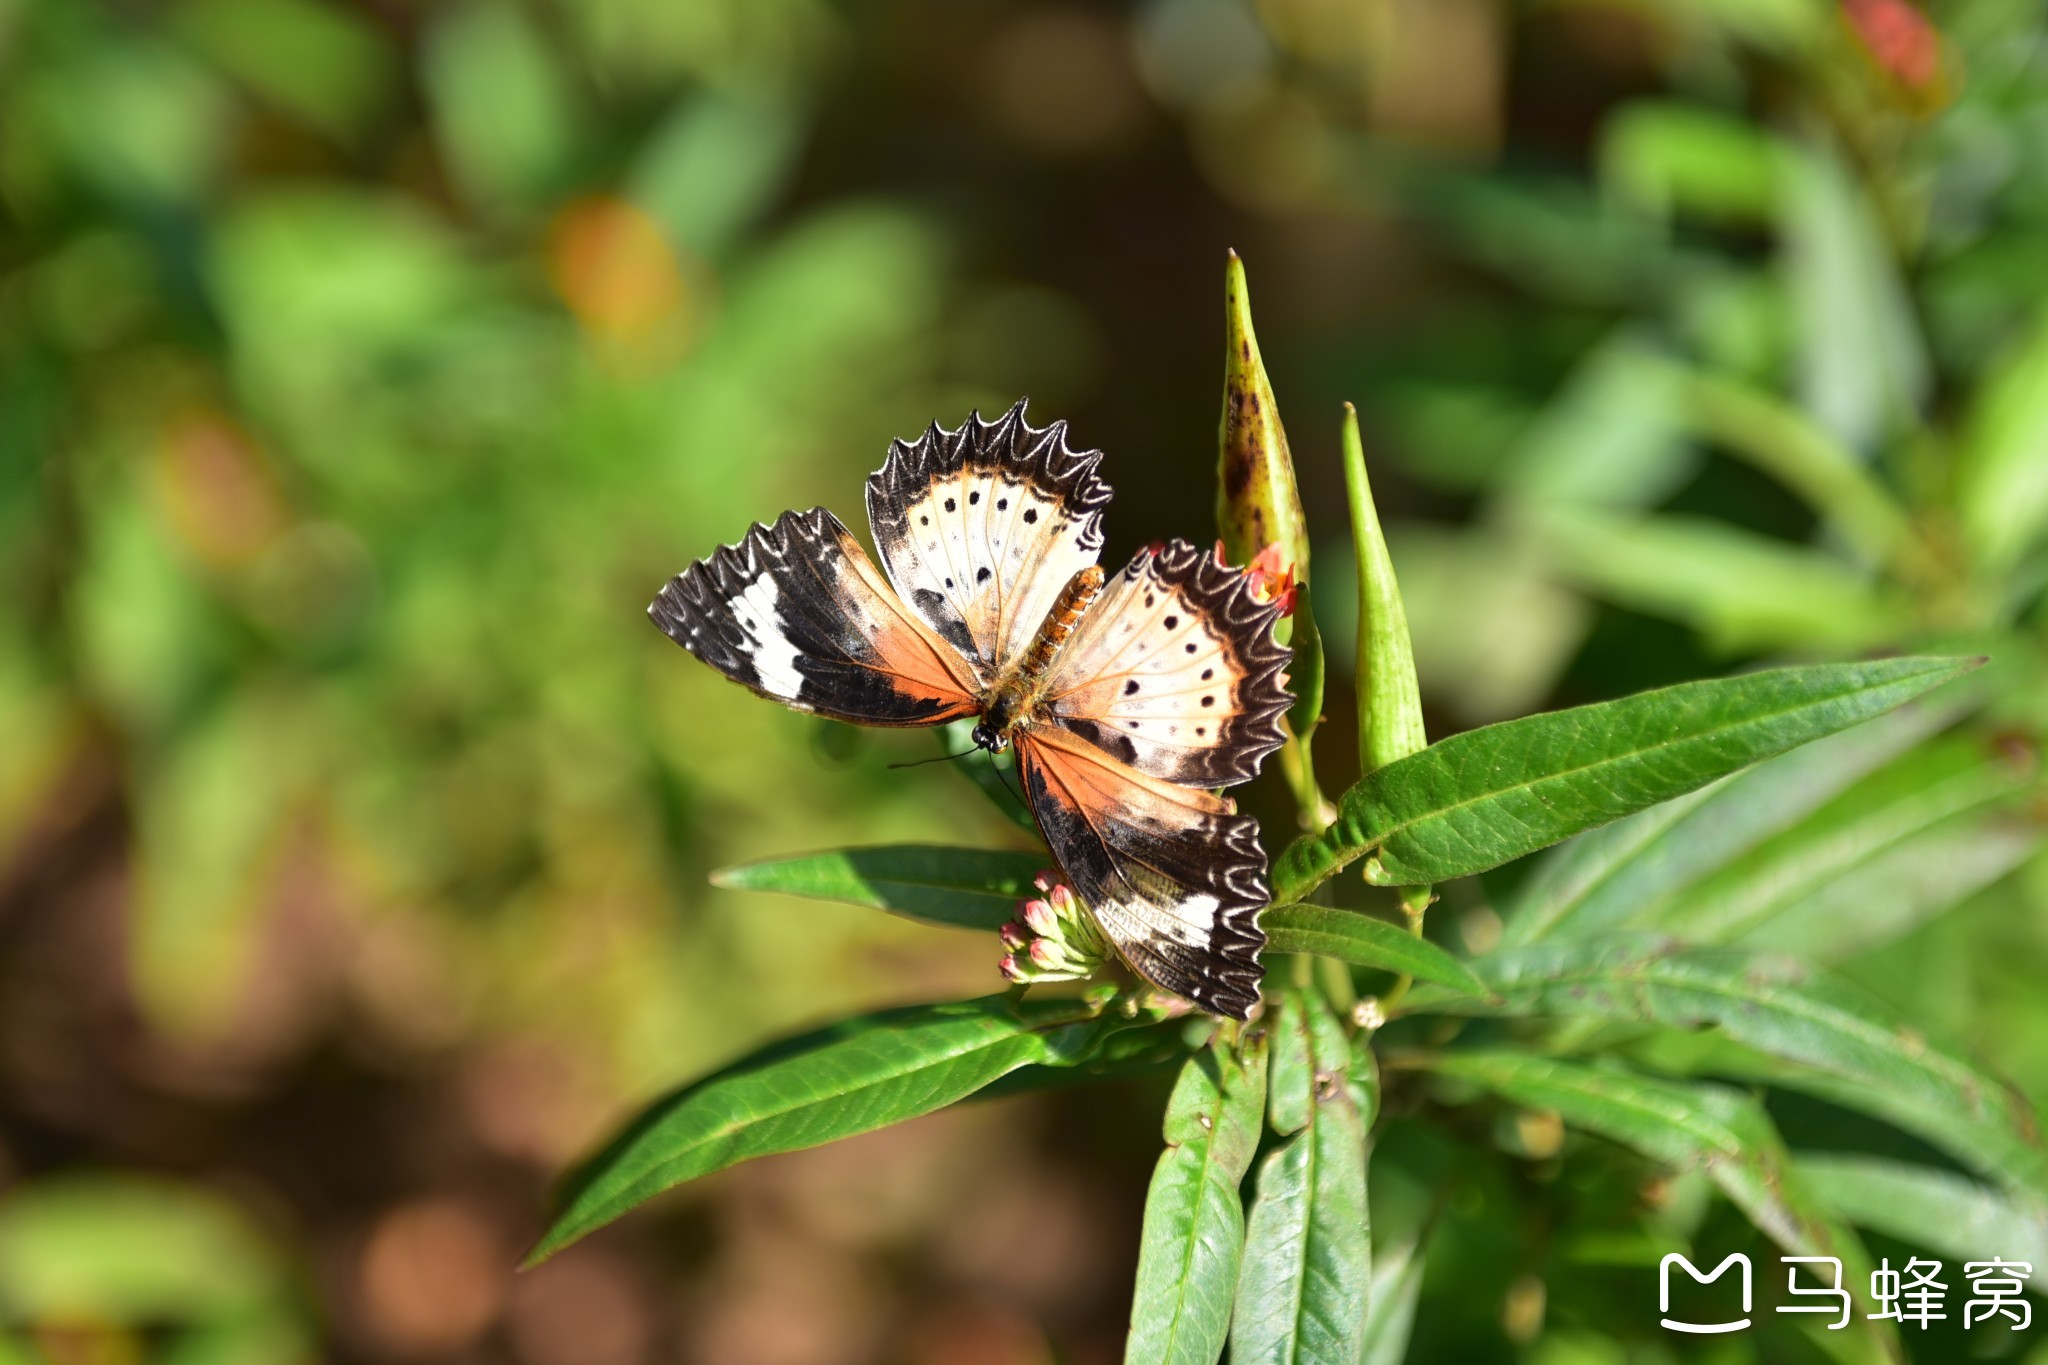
(1174, 670)
(1174, 876)
(798, 612)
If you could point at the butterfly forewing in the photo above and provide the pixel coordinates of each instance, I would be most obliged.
(981, 527)
(1173, 874)
(798, 612)
(1174, 670)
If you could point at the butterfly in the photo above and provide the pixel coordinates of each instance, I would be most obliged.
(1129, 700)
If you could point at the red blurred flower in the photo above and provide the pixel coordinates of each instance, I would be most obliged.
(1900, 39)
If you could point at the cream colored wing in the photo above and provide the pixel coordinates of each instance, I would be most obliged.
(1174, 671)
(980, 528)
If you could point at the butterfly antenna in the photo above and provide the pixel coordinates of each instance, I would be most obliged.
(1004, 778)
(936, 758)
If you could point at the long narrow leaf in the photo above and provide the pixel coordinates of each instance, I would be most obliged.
(1194, 1216)
(1722, 1132)
(1390, 1318)
(1308, 1244)
(1899, 888)
(1479, 799)
(1686, 1126)
(852, 1077)
(1926, 789)
(1923, 1207)
(965, 888)
(1628, 868)
(1845, 1046)
(1364, 942)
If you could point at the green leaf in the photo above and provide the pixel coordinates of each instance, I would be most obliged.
(1686, 1126)
(1364, 942)
(1607, 875)
(1743, 592)
(965, 888)
(1926, 789)
(1898, 889)
(1308, 1245)
(1714, 1129)
(1938, 1210)
(1194, 1219)
(2001, 479)
(1775, 437)
(1479, 799)
(1844, 1046)
(1389, 699)
(1390, 1309)
(1862, 365)
(1305, 672)
(851, 1077)
(1667, 158)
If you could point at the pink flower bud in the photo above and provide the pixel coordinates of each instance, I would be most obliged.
(1011, 971)
(1014, 936)
(1038, 917)
(1042, 954)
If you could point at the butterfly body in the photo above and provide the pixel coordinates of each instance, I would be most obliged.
(1129, 699)
(1011, 701)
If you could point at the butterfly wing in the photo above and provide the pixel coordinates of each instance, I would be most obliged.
(1174, 671)
(1174, 876)
(798, 612)
(980, 528)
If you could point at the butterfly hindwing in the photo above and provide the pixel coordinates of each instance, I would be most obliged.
(1174, 876)
(980, 528)
(1174, 671)
(798, 612)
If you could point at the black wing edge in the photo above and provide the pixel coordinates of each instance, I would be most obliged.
(1037, 455)
(1226, 595)
(1223, 979)
(829, 671)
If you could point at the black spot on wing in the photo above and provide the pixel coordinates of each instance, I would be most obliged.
(1224, 598)
(1018, 451)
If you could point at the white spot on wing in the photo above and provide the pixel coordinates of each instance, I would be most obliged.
(768, 646)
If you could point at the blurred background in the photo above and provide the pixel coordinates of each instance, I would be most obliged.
(365, 365)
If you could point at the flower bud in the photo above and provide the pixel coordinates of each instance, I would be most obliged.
(1055, 939)
(1257, 503)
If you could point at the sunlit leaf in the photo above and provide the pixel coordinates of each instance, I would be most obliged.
(1364, 942)
(1390, 1311)
(1308, 1245)
(1686, 1126)
(2002, 480)
(1862, 362)
(1629, 868)
(1194, 1218)
(1844, 1045)
(965, 888)
(851, 1077)
(1742, 592)
(1479, 799)
(1924, 1207)
(1871, 820)
(1897, 889)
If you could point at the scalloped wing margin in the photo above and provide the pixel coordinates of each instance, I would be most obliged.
(980, 527)
(797, 611)
(1174, 875)
(1174, 671)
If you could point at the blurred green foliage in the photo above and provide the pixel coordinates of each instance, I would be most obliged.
(364, 367)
